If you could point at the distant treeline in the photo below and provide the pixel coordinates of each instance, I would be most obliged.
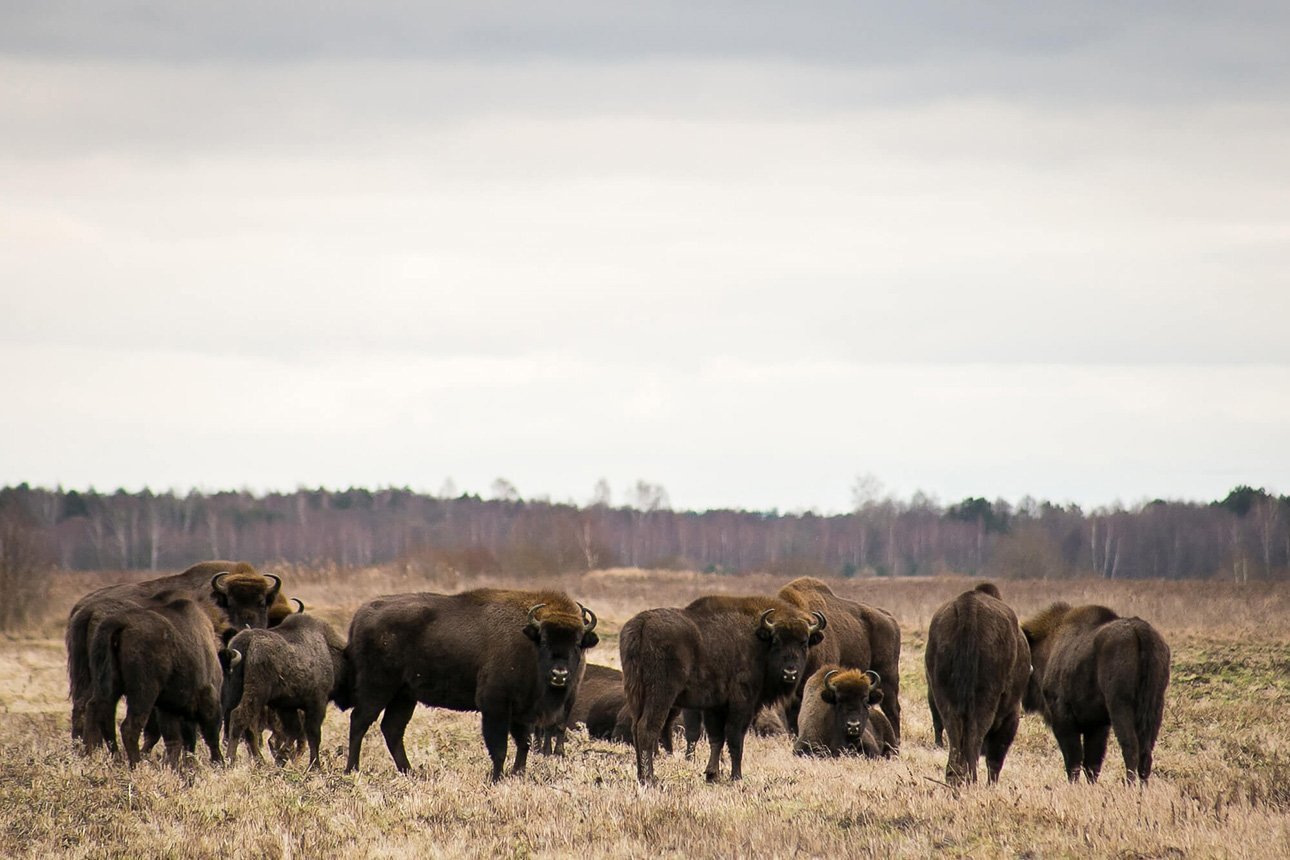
(1242, 537)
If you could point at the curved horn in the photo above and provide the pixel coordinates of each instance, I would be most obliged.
(235, 659)
(765, 621)
(215, 582)
(533, 613)
(820, 623)
(588, 619)
(277, 583)
(300, 604)
(875, 680)
(828, 678)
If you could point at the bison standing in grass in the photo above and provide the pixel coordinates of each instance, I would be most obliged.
(860, 637)
(977, 663)
(1095, 671)
(295, 667)
(725, 656)
(836, 715)
(514, 656)
(158, 656)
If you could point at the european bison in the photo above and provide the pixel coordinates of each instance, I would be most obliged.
(860, 637)
(727, 656)
(232, 594)
(294, 667)
(835, 714)
(977, 664)
(1095, 671)
(601, 706)
(513, 656)
(158, 656)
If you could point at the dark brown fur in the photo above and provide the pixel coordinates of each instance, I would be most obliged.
(158, 656)
(860, 637)
(296, 666)
(475, 651)
(251, 599)
(715, 655)
(977, 664)
(835, 712)
(1094, 672)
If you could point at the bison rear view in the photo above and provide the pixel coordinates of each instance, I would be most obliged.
(514, 656)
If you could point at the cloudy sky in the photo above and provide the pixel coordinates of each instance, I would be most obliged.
(744, 250)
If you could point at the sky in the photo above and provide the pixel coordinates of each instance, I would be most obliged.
(746, 251)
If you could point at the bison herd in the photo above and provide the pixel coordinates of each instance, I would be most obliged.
(220, 646)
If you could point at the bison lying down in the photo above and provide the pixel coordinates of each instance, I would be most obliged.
(511, 655)
(1095, 671)
(296, 666)
(839, 715)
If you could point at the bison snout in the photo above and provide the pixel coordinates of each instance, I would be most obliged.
(854, 728)
(790, 676)
(559, 677)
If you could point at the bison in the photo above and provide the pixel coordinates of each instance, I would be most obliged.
(726, 656)
(835, 715)
(514, 656)
(601, 707)
(232, 594)
(294, 667)
(977, 664)
(158, 656)
(860, 637)
(1095, 671)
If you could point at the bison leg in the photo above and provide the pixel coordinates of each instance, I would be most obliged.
(172, 733)
(1072, 747)
(1127, 735)
(521, 734)
(1094, 751)
(736, 730)
(99, 725)
(665, 739)
(360, 721)
(138, 709)
(714, 722)
(997, 743)
(792, 708)
(645, 734)
(890, 704)
(938, 728)
(398, 714)
(496, 725)
(692, 719)
(313, 721)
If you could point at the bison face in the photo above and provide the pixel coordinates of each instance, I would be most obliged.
(850, 697)
(559, 656)
(245, 599)
(788, 643)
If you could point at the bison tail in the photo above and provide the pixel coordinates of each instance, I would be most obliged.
(104, 662)
(342, 694)
(78, 658)
(1153, 678)
(629, 653)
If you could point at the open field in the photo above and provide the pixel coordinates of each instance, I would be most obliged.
(1221, 784)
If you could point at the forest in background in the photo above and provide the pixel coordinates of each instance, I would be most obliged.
(1242, 537)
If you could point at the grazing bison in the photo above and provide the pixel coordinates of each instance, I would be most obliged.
(294, 669)
(232, 594)
(835, 713)
(726, 656)
(158, 656)
(977, 664)
(514, 656)
(860, 637)
(1095, 671)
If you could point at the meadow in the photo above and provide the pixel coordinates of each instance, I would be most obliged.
(1221, 786)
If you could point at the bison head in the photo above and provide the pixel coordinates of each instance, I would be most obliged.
(245, 596)
(850, 692)
(560, 638)
(788, 640)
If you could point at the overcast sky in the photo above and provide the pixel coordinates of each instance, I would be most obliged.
(744, 250)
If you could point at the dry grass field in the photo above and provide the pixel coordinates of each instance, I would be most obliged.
(1221, 785)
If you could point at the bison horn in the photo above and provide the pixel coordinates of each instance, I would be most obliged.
(277, 585)
(533, 613)
(216, 582)
(765, 621)
(875, 680)
(234, 659)
(820, 622)
(588, 619)
(828, 678)
(300, 604)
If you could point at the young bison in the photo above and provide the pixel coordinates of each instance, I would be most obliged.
(837, 715)
(1095, 671)
(296, 666)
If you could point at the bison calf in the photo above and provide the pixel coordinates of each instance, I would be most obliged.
(835, 714)
(294, 667)
(977, 663)
(1095, 671)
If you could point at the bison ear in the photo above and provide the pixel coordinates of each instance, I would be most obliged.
(765, 634)
(829, 696)
(225, 656)
(589, 640)
(533, 632)
(228, 634)
(875, 695)
(816, 638)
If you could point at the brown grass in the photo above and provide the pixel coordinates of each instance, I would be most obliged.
(1222, 785)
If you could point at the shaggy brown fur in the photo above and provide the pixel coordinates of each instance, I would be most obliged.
(860, 637)
(977, 664)
(488, 650)
(160, 656)
(726, 656)
(1095, 671)
(835, 712)
(246, 599)
(296, 666)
